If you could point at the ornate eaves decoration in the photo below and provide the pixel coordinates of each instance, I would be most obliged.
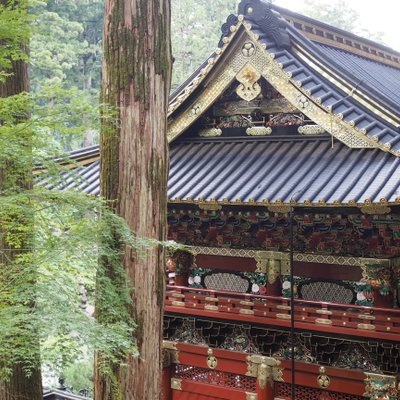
(310, 130)
(375, 209)
(259, 131)
(274, 262)
(210, 132)
(263, 61)
(281, 207)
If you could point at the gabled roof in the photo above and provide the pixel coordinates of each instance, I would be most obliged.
(354, 98)
(348, 86)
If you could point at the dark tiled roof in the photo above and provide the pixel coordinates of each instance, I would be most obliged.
(84, 178)
(270, 170)
(62, 395)
(383, 78)
(308, 170)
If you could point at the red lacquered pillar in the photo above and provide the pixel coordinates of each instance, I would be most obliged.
(166, 383)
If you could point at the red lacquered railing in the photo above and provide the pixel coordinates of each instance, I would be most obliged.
(328, 317)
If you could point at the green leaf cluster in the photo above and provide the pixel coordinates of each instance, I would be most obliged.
(196, 33)
(14, 34)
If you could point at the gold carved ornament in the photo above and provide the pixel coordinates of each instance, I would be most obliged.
(170, 353)
(323, 379)
(212, 361)
(248, 89)
(265, 369)
(271, 263)
(176, 384)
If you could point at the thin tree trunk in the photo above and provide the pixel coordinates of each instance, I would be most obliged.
(136, 82)
(21, 385)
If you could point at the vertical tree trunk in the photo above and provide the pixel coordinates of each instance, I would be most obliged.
(136, 82)
(20, 386)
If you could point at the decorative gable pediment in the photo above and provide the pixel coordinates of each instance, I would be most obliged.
(249, 56)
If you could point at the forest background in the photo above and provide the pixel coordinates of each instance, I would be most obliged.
(65, 53)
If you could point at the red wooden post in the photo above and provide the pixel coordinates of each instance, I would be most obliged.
(267, 393)
(383, 301)
(166, 383)
(274, 289)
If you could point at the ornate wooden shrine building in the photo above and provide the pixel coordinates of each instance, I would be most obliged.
(284, 181)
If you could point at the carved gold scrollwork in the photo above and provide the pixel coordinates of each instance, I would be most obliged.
(251, 396)
(210, 132)
(274, 270)
(248, 89)
(375, 209)
(311, 130)
(280, 208)
(259, 131)
(210, 207)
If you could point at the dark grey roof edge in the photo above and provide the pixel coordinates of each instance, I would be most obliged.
(179, 89)
(335, 29)
(62, 395)
(346, 75)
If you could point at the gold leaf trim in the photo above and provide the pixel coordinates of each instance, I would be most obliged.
(178, 303)
(283, 316)
(323, 321)
(176, 384)
(246, 311)
(368, 327)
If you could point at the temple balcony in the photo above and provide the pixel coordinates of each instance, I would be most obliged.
(339, 319)
(210, 373)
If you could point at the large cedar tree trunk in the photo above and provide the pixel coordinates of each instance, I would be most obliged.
(20, 386)
(136, 82)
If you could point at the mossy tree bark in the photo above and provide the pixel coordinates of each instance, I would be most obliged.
(135, 86)
(22, 385)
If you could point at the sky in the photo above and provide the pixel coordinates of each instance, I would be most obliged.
(375, 16)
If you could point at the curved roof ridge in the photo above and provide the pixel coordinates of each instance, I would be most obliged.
(288, 13)
(358, 85)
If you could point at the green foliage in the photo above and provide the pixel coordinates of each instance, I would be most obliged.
(61, 244)
(196, 33)
(66, 44)
(14, 34)
(66, 55)
(79, 376)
